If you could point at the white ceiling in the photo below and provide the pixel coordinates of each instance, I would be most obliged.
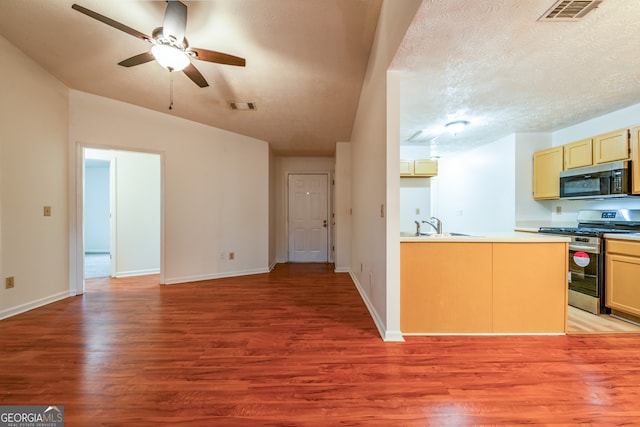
(493, 64)
(489, 62)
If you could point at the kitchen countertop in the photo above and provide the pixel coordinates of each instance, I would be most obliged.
(631, 236)
(533, 226)
(512, 237)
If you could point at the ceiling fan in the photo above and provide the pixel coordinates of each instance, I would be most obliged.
(170, 47)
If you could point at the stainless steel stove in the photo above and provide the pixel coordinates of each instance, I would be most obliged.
(587, 250)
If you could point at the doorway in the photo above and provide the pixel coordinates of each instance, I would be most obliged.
(98, 198)
(308, 214)
(121, 212)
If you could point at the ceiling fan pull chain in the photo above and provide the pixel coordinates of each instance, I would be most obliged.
(170, 90)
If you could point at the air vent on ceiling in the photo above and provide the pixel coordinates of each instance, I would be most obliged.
(242, 105)
(569, 10)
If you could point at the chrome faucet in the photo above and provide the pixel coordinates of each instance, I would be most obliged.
(437, 226)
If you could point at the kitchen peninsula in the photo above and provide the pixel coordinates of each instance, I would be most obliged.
(499, 283)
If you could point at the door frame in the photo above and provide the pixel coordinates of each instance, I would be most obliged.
(329, 209)
(76, 256)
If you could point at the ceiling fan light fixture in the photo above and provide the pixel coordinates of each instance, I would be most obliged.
(456, 127)
(171, 58)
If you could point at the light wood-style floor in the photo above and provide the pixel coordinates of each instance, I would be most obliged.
(582, 322)
(296, 347)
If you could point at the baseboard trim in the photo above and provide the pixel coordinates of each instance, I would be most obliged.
(22, 308)
(387, 336)
(187, 279)
(134, 273)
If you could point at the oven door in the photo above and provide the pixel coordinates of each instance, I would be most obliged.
(584, 269)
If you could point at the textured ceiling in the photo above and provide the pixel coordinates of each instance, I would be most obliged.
(489, 62)
(305, 61)
(493, 64)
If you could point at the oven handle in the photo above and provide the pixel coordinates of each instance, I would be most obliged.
(587, 249)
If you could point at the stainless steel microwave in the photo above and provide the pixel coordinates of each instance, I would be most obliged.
(594, 182)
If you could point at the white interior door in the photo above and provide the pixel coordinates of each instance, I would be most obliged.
(308, 217)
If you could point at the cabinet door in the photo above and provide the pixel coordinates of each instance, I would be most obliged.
(610, 147)
(635, 160)
(406, 167)
(622, 284)
(529, 287)
(425, 167)
(547, 165)
(445, 287)
(578, 154)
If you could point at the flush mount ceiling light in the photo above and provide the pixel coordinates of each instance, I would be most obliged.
(456, 127)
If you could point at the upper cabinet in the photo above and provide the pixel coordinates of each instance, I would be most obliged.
(419, 168)
(578, 154)
(635, 160)
(611, 146)
(406, 167)
(547, 165)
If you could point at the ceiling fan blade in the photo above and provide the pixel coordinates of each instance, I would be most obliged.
(137, 60)
(193, 73)
(110, 22)
(175, 21)
(220, 58)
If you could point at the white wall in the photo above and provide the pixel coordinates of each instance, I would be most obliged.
(33, 173)
(215, 184)
(137, 214)
(97, 207)
(415, 203)
(342, 207)
(285, 166)
(272, 209)
(475, 191)
(375, 160)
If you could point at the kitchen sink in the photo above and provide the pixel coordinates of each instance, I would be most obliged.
(412, 234)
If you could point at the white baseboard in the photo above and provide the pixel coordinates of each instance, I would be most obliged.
(133, 273)
(187, 279)
(387, 336)
(12, 311)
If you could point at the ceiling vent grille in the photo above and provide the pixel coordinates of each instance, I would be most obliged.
(242, 105)
(569, 10)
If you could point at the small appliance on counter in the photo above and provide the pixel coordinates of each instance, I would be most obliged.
(587, 251)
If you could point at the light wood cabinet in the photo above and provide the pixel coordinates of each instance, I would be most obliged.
(437, 295)
(529, 287)
(547, 165)
(578, 154)
(635, 160)
(491, 287)
(623, 276)
(419, 168)
(406, 167)
(611, 147)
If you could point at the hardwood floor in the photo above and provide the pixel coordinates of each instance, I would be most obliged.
(296, 347)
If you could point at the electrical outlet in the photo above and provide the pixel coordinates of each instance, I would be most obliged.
(232, 255)
(417, 211)
(47, 211)
(9, 282)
